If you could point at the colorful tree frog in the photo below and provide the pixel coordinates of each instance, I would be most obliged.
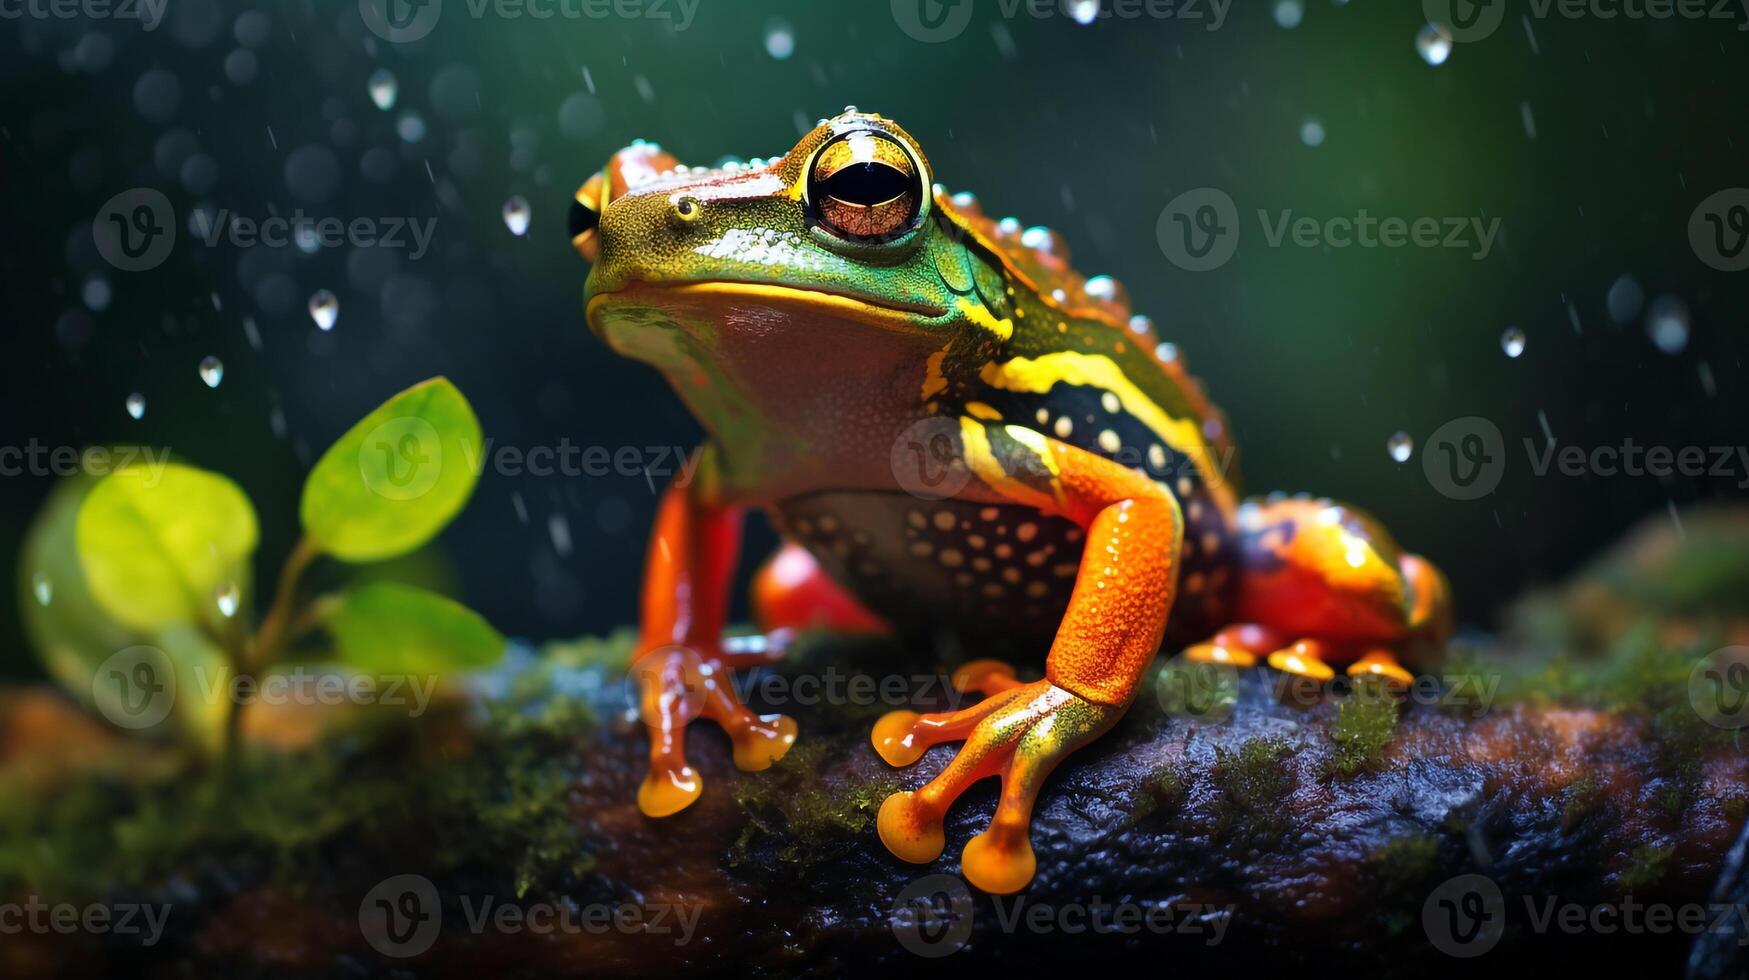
(833, 316)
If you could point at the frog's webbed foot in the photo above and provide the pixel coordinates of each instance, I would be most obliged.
(678, 684)
(1019, 734)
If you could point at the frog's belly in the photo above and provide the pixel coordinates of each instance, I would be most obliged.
(979, 570)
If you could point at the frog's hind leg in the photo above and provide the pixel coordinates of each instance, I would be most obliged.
(791, 593)
(1331, 578)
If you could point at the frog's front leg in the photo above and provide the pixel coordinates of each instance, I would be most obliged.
(680, 666)
(1116, 615)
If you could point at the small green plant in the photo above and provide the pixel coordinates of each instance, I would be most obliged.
(138, 582)
(1364, 727)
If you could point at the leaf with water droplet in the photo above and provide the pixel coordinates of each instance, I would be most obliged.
(227, 597)
(390, 628)
(397, 478)
(155, 540)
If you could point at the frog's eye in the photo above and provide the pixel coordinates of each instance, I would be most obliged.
(865, 187)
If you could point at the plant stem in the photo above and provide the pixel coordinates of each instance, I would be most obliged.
(264, 648)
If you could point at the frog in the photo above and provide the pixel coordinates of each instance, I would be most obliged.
(947, 423)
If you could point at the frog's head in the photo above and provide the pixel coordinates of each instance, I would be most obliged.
(837, 259)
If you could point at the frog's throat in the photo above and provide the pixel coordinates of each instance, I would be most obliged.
(898, 317)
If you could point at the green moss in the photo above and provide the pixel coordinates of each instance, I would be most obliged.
(812, 817)
(1645, 868)
(1164, 791)
(1584, 796)
(1364, 726)
(490, 798)
(1254, 783)
(1403, 868)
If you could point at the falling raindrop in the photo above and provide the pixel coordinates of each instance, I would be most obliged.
(780, 38)
(1667, 324)
(324, 309)
(1312, 132)
(212, 371)
(1512, 342)
(516, 215)
(384, 89)
(1433, 44)
(42, 588)
(1289, 13)
(1401, 447)
(1084, 11)
(137, 405)
(1625, 299)
(227, 597)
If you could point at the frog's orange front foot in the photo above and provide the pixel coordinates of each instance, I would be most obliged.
(1019, 734)
(678, 684)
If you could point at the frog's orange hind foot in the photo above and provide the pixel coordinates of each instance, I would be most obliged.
(1020, 735)
(986, 677)
(676, 685)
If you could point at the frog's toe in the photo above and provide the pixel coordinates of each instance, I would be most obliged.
(1305, 658)
(901, 737)
(911, 828)
(986, 677)
(999, 863)
(669, 790)
(1381, 663)
(760, 740)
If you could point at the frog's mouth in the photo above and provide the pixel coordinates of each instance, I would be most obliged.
(755, 305)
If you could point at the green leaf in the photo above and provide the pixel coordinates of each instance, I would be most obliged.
(389, 628)
(396, 478)
(156, 541)
(76, 638)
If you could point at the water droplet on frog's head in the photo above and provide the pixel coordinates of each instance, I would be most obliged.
(324, 309)
(1107, 290)
(1141, 325)
(1400, 446)
(212, 371)
(1008, 228)
(42, 588)
(780, 38)
(516, 215)
(1312, 132)
(136, 405)
(1667, 324)
(1512, 342)
(1045, 241)
(1289, 13)
(1167, 352)
(1084, 11)
(383, 89)
(1433, 44)
(227, 597)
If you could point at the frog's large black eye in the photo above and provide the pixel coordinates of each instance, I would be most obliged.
(865, 187)
(585, 219)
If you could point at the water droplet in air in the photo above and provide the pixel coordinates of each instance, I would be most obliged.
(137, 405)
(227, 597)
(42, 588)
(1084, 11)
(780, 38)
(1401, 447)
(324, 309)
(1433, 44)
(1667, 324)
(516, 215)
(1289, 13)
(1312, 132)
(1512, 341)
(212, 371)
(383, 89)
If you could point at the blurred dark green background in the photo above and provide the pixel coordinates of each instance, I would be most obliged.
(1592, 140)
